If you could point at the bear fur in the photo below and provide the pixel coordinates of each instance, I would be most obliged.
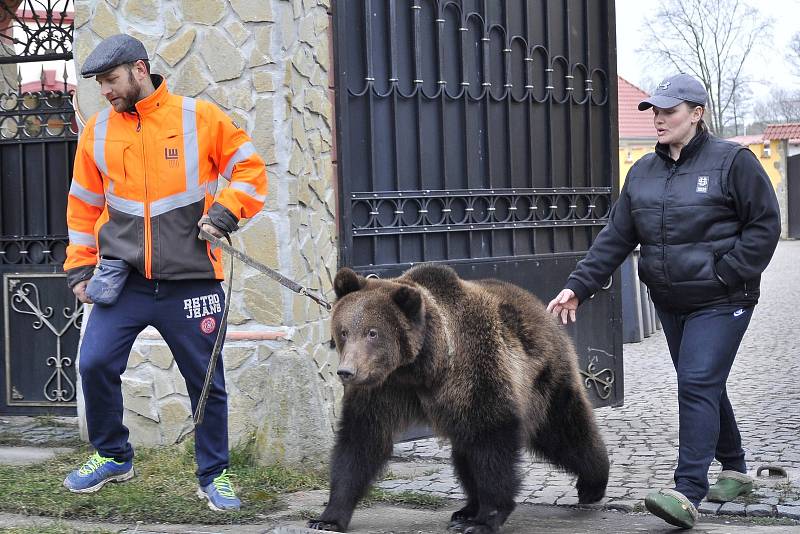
(482, 363)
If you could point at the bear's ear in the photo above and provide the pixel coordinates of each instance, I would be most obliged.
(347, 281)
(409, 300)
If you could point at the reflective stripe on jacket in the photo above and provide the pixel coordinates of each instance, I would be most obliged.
(142, 181)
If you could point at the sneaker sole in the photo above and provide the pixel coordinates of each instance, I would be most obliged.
(124, 477)
(204, 496)
(661, 513)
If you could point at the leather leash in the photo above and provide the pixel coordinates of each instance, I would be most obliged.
(275, 275)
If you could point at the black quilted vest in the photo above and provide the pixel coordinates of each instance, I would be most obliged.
(685, 221)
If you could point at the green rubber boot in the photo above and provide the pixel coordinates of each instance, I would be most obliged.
(730, 485)
(673, 507)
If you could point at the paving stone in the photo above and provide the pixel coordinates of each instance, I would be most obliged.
(791, 512)
(710, 508)
(567, 500)
(732, 508)
(624, 505)
(759, 510)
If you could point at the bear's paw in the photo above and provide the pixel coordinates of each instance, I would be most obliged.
(318, 524)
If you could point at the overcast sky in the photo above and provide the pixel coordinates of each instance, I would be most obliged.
(767, 65)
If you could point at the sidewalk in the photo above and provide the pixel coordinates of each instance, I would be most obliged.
(385, 519)
(642, 435)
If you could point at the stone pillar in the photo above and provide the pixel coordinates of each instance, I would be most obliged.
(267, 64)
(8, 72)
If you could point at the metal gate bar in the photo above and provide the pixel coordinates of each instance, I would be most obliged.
(481, 133)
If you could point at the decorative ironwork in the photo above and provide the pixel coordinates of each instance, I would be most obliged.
(480, 134)
(450, 211)
(602, 380)
(44, 250)
(36, 30)
(59, 387)
(37, 116)
(494, 64)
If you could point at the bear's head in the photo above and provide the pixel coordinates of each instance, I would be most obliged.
(377, 326)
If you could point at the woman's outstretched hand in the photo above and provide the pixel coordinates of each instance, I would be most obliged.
(564, 305)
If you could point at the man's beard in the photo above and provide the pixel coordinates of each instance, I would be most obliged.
(132, 94)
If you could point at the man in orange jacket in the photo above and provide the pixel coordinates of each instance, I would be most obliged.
(147, 173)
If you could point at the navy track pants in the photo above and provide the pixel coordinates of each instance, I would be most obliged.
(187, 313)
(703, 345)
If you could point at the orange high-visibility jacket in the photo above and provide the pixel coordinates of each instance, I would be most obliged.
(142, 181)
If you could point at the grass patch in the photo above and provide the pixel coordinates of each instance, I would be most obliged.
(162, 491)
(787, 492)
(304, 515)
(415, 499)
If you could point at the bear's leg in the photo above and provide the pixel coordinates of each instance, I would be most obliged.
(569, 439)
(363, 446)
(492, 461)
(464, 474)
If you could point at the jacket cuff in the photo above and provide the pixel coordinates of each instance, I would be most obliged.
(728, 274)
(79, 274)
(578, 288)
(222, 218)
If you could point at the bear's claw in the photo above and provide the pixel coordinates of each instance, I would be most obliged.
(318, 524)
(470, 527)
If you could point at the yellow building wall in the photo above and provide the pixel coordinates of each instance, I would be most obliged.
(770, 159)
(628, 155)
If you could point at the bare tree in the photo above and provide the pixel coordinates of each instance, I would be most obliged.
(711, 40)
(781, 106)
(793, 55)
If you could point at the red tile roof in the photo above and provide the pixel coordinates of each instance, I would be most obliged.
(632, 122)
(747, 140)
(789, 130)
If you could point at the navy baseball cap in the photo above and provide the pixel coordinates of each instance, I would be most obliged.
(112, 52)
(674, 90)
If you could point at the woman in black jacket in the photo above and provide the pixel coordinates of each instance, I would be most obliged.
(706, 217)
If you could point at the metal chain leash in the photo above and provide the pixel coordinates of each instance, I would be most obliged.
(223, 326)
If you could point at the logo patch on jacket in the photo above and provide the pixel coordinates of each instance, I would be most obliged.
(171, 155)
(702, 184)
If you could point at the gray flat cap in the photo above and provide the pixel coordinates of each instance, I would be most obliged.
(112, 52)
(674, 90)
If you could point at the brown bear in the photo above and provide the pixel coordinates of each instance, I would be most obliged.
(482, 363)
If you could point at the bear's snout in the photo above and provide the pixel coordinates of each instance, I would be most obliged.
(346, 373)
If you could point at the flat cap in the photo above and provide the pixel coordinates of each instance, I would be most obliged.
(112, 52)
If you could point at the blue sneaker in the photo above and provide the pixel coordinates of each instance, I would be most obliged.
(220, 494)
(98, 470)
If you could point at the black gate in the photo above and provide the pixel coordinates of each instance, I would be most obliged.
(38, 138)
(482, 134)
(793, 195)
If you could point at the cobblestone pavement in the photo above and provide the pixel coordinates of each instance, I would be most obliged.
(642, 435)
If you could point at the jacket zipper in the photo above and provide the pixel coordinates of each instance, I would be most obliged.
(663, 226)
(148, 270)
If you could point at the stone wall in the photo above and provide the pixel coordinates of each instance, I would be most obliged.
(267, 64)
